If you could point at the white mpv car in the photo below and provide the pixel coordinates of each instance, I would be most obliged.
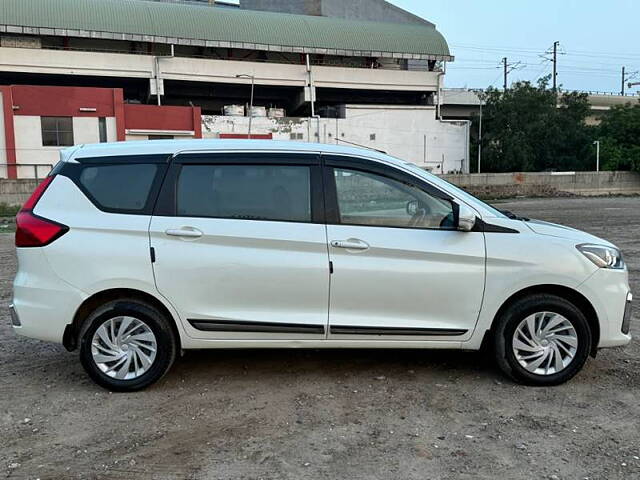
(133, 252)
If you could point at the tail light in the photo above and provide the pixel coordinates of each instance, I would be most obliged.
(33, 230)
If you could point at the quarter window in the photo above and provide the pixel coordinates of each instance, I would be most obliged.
(57, 131)
(374, 200)
(122, 188)
(247, 192)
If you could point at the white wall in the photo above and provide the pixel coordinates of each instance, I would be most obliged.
(29, 148)
(85, 130)
(112, 132)
(400, 131)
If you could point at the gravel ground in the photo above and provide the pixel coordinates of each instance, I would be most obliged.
(292, 414)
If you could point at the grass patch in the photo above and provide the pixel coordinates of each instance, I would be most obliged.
(8, 210)
(7, 225)
(8, 218)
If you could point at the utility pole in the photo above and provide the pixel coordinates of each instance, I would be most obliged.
(597, 144)
(555, 65)
(480, 136)
(253, 81)
(505, 65)
(624, 79)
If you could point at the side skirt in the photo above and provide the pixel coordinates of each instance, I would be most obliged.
(382, 331)
(255, 327)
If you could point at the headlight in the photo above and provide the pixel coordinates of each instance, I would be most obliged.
(602, 256)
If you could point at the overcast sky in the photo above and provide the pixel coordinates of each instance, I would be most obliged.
(597, 38)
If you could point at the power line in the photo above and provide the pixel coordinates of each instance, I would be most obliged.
(626, 77)
(582, 53)
(508, 68)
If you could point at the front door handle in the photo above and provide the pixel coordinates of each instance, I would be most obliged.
(187, 232)
(350, 244)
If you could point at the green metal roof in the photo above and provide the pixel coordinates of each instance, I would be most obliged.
(164, 22)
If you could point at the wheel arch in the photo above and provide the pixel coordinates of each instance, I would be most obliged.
(575, 297)
(72, 331)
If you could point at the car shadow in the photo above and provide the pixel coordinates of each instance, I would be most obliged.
(333, 363)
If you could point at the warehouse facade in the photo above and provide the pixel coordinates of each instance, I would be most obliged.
(314, 71)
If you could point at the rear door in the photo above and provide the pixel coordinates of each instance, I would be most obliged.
(401, 269)
(240, 245)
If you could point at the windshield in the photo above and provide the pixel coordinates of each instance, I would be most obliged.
(457, 190)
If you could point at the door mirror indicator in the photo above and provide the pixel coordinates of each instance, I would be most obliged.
(466, 218)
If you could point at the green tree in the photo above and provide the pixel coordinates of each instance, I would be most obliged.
(619, 134)
(529, 128)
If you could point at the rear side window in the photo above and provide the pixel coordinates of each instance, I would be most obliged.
(247, 192)
(121, 188)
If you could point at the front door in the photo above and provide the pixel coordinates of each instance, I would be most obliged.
(401, 271)
(240, 246)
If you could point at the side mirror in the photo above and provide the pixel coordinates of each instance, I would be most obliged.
(412, 207)
(466, 218)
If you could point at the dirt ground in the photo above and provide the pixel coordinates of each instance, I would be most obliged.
(329, 414)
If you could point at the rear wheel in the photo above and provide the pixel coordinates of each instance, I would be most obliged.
(542, 340)
(126, 345)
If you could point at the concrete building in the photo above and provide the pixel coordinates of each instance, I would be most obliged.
(36, 122)
(184, 54)
(414, 131)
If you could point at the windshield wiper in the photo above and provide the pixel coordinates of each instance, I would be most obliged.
(513, 216)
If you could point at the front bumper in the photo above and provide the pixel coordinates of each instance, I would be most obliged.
(626, 320)
(15, 319)
(609, 293)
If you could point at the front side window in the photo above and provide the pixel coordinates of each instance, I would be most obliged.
(246, 192)
(374, 200)
(57, 131)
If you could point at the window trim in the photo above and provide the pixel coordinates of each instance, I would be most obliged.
(332, 208)
(166, 206)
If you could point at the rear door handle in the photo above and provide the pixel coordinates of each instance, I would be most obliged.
(351, 244)
(187, 232)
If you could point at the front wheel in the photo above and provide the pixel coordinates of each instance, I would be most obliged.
(542, 340)
(126, 345)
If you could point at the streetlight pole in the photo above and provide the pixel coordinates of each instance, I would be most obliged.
(253, 81)
(597, 144)
(480, 137)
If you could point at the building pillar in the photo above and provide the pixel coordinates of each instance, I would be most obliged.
(118, 108)
(197, 122)
(9, 132)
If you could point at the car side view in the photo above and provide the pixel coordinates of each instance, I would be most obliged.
(133, 252)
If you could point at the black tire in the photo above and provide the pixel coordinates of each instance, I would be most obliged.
(158, 323)
(508, 322)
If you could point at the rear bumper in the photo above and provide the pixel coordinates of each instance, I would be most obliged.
(43, 304)
(609, 293)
